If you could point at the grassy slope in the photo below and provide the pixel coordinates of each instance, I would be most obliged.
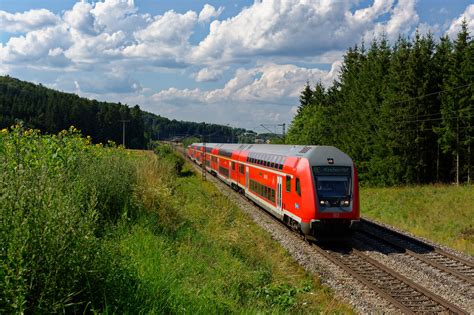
(442, 213)
(197, 252)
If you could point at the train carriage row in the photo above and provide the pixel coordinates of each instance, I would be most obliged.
(311, 188)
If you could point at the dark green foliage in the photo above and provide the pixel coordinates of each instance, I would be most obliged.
(404, 113)
(161, 128)
(166, 154)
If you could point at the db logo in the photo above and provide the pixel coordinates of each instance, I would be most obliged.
(336, 215)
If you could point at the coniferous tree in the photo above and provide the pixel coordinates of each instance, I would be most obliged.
(456, 105)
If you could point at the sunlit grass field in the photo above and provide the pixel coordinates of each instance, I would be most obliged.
(442, 213)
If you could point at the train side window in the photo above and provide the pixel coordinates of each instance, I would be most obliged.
(298, 187)
(233, 166)
(288, 183)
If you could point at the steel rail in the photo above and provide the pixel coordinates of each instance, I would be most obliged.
(421, 257)
(418, 242)
(391, 285)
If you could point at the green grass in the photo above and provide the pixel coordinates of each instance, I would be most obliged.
(442, 213)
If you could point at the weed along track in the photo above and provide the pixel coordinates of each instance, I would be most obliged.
(367, 270)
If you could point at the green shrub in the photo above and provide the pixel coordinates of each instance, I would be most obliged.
(166, 154)
(57, 193)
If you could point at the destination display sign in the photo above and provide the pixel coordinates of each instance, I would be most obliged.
(332, 170)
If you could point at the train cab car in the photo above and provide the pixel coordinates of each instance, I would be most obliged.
(312, 189)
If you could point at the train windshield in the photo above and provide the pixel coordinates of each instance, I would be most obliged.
(332, 182)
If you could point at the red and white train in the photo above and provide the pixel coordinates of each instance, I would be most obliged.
(310, 188)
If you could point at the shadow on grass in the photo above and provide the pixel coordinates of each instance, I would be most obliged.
(186, 173)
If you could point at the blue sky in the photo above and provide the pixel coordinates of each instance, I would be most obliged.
(241, 63)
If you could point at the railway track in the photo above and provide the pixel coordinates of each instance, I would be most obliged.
(406, 295)
(446, 262)
(403, 293)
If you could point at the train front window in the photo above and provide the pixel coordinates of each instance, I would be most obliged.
(333, 185)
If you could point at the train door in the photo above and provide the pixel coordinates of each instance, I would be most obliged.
(247, 177)
(279, 201)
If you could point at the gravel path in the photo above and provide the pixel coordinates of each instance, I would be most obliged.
(363, 299)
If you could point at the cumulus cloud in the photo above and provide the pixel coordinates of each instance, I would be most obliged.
(264, 93)
(102, 32)
(36, 46)
(402, 19)
(455, 26)
(81, 19)
(27, 21)
(170, 29)
(208, 12)
(295, 28)
(209, 74)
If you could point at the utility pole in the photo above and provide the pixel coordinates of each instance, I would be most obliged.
(283, 127)
(123, 131)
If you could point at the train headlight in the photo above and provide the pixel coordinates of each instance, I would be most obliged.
(321, 202)
(345, 203)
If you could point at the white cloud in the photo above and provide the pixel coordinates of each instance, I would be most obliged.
(403, 19)
(292, 28)
(27, 21)
(118, 15)
(100, 33)
(261, 94)
(209, 74)
(208, 12)
(81, 19)
(35, 46)
(455, 26)
(169, 29)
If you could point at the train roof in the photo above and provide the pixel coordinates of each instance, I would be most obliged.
(314, 153)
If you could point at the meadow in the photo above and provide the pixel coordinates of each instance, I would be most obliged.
(442, 213)
(96, 228)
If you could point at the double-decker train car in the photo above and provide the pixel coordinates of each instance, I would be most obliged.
(313, 189)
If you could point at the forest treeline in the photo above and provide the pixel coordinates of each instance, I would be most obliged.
(51, 111)
(403, 112)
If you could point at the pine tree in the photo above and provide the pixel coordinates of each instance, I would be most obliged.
(456, 107)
